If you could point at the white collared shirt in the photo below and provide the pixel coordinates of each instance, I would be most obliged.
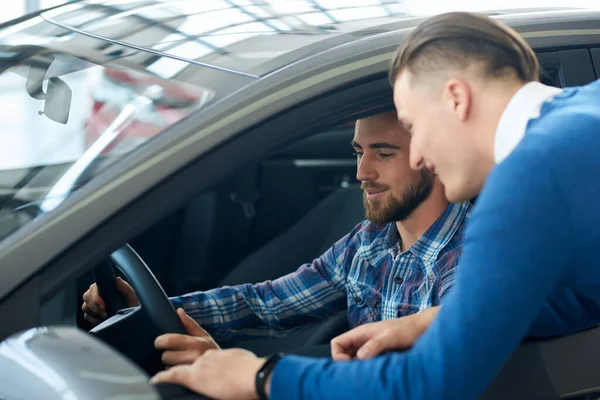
(525, 105)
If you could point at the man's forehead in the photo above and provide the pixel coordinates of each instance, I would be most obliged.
(402, 104)
(370, 133)
(402, 91)
(402, 81)
(376, 125)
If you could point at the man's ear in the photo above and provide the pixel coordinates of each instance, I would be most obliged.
(458, 96)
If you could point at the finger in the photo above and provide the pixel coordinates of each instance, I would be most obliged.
(370, 349)
(92, 320)
(87, 296)
(380, 344)
(93, 309)
(399, 335)
(128, 293)
(347, 343)
(173, 341)
(88, 310)
(101, 315)
(170, 358)
(95, 295)
(341, 353)
(210, 351)
(178, 375)
(190, 325)
(96, 302)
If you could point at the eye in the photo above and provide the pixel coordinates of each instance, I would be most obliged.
(357, 154)
(385, 155)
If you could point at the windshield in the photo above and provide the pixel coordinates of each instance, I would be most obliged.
(65, 119)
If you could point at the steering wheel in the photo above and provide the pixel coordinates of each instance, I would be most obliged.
(153, 298)
(132, 331)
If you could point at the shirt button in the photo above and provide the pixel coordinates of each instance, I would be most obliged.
(359, 300)
(398, 280)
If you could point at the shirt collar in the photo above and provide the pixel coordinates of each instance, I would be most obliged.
(427, 246)
(441, 232)
(522, 107)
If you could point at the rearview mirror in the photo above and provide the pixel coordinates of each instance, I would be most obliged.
(57, 98)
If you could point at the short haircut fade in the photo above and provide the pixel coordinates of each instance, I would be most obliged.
(460, 38)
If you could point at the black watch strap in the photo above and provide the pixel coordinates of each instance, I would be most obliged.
(264, 372)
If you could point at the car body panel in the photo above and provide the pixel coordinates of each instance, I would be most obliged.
(54, 363)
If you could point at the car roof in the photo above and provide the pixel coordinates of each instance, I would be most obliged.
(251, 38)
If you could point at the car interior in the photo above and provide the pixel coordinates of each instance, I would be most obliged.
(261, 224)
(265, 222)
(273, 215)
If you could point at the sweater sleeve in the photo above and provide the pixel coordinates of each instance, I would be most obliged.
(516, 249)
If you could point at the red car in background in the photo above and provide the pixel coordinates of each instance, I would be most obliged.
(117, 89)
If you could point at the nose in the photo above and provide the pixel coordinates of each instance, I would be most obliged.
(365, 171)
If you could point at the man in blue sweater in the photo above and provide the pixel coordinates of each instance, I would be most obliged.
(465, 86)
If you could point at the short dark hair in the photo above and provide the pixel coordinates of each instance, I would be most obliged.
(460, 38)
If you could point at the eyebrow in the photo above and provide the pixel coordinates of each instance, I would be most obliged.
(379, 145)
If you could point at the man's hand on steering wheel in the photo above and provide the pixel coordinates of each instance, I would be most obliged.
(94, 308)
(185, 349)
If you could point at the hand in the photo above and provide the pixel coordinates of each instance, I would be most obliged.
(225, 374)
(94, 308)
(185, 349)
(370, 340)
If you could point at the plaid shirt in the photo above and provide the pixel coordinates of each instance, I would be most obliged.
(364, 273)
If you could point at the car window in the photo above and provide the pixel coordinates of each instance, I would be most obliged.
(65, 119)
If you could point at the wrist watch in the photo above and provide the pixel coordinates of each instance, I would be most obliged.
(264, 372)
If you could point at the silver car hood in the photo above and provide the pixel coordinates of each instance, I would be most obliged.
(65, 363)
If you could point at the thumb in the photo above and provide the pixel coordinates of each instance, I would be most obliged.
(191, 326)
(128, 293)
(373, 347)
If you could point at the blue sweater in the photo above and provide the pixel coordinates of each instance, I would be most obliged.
(530, 265)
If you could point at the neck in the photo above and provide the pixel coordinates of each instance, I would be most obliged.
(421, 219)
(497, 96)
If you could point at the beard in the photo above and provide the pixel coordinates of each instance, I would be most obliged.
(392, 209)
